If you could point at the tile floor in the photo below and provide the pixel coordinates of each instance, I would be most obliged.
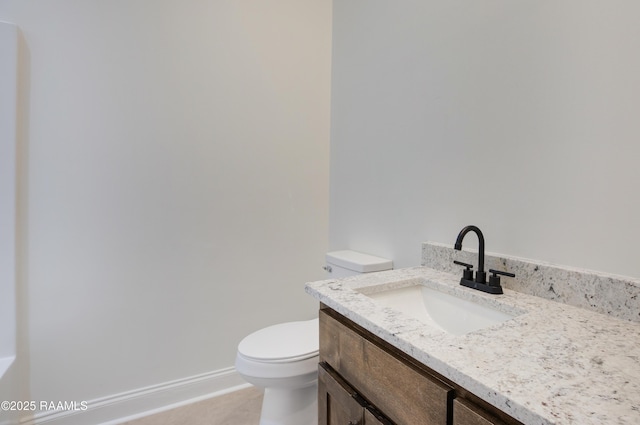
(236, 408)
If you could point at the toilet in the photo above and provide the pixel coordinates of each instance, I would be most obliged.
(283, 359)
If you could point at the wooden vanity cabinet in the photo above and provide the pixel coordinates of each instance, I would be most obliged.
(339, 404)
(361, 373)
(466, 413)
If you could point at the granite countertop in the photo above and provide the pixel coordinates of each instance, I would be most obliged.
(551, 364)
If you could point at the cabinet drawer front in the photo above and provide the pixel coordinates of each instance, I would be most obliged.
(403, 393)
(370, 418)
(465, 413)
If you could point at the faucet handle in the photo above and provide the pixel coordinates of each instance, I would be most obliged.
(494, 279)
(467, 273)
(495, 272)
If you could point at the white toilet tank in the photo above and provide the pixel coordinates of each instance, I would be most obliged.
(350, 263)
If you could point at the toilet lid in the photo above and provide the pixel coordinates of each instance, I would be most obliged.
(285, 341)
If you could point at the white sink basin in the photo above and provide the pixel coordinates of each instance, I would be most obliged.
(446, 312)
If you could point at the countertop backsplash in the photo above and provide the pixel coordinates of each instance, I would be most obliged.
(616, 296)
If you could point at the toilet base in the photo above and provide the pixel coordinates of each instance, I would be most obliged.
(287, 406)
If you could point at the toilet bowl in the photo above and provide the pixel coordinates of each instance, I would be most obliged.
(283, 360)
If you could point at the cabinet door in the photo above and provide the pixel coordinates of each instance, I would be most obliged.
(338, 403)
(374, 418)
(465, 413)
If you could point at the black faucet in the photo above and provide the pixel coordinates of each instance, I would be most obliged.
(493, 287)
(480, 274)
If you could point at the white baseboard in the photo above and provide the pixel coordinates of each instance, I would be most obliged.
(118, 408)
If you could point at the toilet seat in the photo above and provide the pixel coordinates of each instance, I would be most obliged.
(282, 343)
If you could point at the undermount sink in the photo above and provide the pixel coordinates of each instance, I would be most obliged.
(444, 311)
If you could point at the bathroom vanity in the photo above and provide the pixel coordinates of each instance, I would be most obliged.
(392, 387)
(546, 363)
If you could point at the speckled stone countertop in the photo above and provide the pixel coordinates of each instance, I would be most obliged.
(552, 364)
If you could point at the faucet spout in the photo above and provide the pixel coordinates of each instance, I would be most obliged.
(480, 274)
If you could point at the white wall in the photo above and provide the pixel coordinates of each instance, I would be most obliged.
(8, 325)
(8, 85)
(173, 184)
(519, 117)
